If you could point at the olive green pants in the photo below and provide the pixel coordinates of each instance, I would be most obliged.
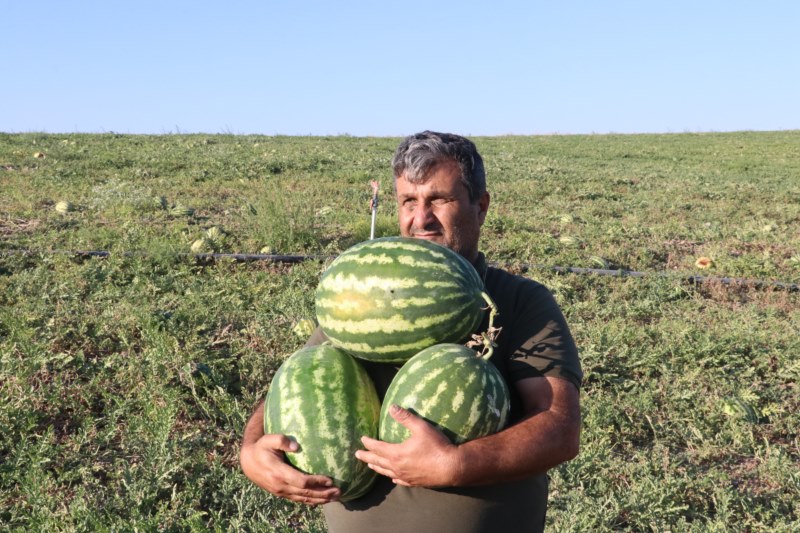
(509, 507)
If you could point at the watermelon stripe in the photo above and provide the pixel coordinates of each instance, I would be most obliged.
(374, 259)
(392, 350)
(338, 304)
(416, 302)
(475, 411)
(440, 285)
(392, 324)
(400, 244)
(363, 285)
(396, 321)
(416, 262)
(460, 407)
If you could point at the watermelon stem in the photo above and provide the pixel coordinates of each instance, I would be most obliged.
(487, 339)
(492, 306)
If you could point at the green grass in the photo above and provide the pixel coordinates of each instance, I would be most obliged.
(125, 381)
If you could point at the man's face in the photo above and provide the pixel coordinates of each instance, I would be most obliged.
(439, 210)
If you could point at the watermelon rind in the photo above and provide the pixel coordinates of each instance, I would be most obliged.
(453, 388)
(386, 299)
(323, 399)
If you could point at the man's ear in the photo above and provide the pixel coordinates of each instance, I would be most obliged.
(483, 206)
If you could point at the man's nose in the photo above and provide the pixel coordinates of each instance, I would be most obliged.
(424, 216)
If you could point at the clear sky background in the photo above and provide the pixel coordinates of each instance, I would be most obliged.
(393, 68)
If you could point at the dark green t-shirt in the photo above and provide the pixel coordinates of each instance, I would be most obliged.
(534, 341)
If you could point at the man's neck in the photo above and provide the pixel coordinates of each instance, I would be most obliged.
(480, 264)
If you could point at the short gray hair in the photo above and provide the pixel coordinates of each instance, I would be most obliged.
(420, 153)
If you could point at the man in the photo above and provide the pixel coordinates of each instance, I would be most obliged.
(495, 483)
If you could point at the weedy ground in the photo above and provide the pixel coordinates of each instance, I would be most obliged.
(125, 381)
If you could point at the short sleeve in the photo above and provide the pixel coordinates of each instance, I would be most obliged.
(537, 340)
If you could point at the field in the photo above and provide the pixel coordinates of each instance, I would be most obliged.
(126, 380)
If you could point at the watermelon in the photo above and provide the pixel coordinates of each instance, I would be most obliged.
(201, 245)
(64, 207)
(453, 388)
(304, 328)
(323, 399)
(386, 299)
(215, 233)
(180, 210)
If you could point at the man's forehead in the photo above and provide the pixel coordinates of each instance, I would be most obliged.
(431, 184)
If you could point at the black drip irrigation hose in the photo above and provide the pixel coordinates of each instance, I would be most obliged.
(696, 280)
(524, 267)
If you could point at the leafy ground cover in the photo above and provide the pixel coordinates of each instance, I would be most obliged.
(125, 381)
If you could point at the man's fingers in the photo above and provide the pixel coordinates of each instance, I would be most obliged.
(407, 419)
(306, 482)
(283, 479)
(311, 496)
(377, 456)
(382, 470)
(313, 486)
(374, 445)
(377, 452)
(307, 489)
(369, 457)
(279, 442)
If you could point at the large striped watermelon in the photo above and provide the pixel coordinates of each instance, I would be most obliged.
(324, 399)
(452, 387)
(386, 299)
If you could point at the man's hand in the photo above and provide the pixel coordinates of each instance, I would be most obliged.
(427, 458)
(263, 460)
(546, 437)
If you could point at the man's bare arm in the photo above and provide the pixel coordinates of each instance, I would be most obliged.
(547, 437)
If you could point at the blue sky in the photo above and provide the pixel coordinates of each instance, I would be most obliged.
(394, 68)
